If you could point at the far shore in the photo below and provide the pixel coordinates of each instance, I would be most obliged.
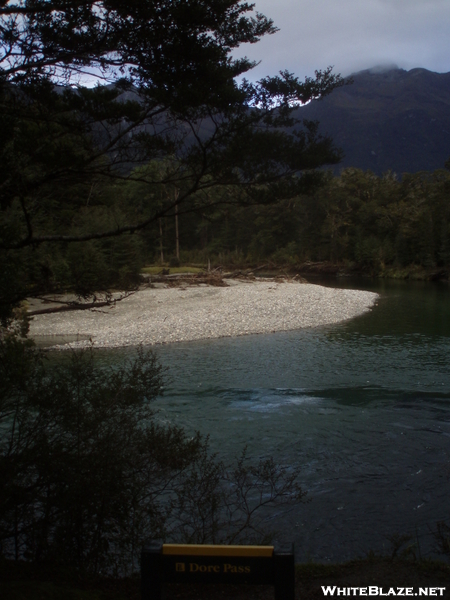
(167, 315)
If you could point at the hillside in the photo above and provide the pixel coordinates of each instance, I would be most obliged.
(388, 119)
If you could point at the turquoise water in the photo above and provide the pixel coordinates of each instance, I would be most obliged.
(362, 407)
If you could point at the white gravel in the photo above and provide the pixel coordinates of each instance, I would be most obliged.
(159, 316)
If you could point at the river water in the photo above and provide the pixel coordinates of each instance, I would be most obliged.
(362, 407)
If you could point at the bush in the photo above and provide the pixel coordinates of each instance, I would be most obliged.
(88, 474)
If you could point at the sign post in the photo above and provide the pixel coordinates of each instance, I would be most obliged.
(191, 563)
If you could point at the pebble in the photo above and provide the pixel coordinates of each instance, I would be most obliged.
(164, 315)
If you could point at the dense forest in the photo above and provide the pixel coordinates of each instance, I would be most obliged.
(385, 226)
(373, 223)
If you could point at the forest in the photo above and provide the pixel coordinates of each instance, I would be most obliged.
(386, 226)
(382, 226)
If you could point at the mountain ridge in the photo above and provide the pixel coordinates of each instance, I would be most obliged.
(388, 119)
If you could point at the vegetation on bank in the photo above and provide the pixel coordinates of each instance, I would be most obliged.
(354, 223)
(357, 223)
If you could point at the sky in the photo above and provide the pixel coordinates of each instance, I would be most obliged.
(352, 35)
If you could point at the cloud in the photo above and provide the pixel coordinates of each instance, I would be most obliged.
(352, 35)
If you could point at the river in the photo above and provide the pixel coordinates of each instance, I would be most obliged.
(362, 407)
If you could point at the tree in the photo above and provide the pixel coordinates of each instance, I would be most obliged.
(97, 98)
(166, 93)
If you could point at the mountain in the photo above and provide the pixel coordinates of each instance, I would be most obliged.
(388, 119)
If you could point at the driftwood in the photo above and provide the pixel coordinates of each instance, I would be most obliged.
(67, 306)
(212, 278)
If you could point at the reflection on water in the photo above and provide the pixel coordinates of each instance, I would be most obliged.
(363, 407)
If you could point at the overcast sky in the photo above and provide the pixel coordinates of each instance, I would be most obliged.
(352, 35)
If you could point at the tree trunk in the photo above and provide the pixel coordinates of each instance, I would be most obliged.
(177, 239)
(161, 242)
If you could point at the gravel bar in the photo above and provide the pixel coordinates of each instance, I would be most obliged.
(161, 316)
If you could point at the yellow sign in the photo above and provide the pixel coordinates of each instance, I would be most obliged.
(198, 568)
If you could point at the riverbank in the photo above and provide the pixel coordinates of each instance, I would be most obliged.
(160, 315)
(410, 272)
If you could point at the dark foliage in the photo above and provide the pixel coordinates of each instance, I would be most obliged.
(358, 218)
(167, 96)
